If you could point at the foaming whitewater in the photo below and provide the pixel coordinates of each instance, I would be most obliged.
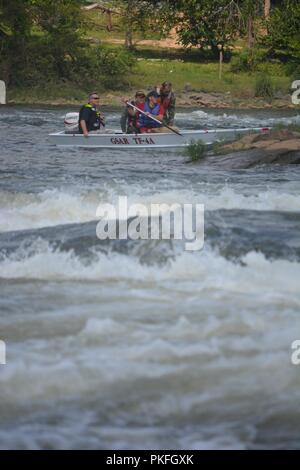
(48, 208)
(198, 272)
(23, 211)
(123, 344)
(230, 119)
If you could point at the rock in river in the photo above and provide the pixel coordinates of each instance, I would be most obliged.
(279, 146)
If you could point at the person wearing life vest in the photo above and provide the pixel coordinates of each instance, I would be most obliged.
(130, 119)
(90, 118)
(151, 108)
(167, 98)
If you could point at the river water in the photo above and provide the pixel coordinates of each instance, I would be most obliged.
(141, 344)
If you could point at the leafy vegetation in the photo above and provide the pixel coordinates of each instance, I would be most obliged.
(264, 86)
(196, 150)
(283, 29)
(248, 60)
(44, 40)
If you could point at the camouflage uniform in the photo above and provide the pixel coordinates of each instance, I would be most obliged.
(170, 100)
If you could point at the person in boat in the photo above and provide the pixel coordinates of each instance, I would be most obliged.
(90, 118)
(167, 98)
(130, 119)
(152, 108)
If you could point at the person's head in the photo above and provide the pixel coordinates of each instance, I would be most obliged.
(140, 97)
(94, 99)
(166, 87)
(152, 97)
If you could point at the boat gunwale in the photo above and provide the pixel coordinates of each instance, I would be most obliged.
(156, 134)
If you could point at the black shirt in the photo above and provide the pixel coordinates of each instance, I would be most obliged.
(91, 116)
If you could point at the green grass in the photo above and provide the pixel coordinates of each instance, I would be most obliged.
(203, 77)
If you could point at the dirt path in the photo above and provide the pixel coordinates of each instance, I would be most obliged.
(171, 41)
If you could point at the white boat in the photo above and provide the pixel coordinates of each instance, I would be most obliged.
(119, 140)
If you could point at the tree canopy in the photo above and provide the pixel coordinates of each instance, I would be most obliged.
(284, 28)
(44, 40)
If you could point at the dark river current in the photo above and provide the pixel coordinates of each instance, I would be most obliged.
(141, 344)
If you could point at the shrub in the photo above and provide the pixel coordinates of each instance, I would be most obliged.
(247, 61)
(264, 86)
(292, 68)
(196, 150)
(87, 66)
(107, 65)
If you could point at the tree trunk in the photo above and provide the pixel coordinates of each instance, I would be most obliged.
(267, 8)
(128, 39)
(128, 32)
(250, 32)
(221, 56)
(109, 21)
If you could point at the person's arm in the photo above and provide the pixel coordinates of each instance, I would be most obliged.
(160, 116)
(84, 128)
(131, 111)
(102, 119)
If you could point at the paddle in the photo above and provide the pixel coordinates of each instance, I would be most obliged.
(153, 118)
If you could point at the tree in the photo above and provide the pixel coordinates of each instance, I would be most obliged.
(209, 24)
(44, 41)
(14, 17)
(15, 24)
(283, 28)
(142, 16)
(61, 23)
(250, 11)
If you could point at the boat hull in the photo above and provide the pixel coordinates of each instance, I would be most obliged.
(164, 140)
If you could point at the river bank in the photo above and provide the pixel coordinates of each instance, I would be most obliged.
(195, 84)
(184, 100)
